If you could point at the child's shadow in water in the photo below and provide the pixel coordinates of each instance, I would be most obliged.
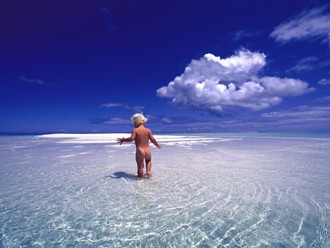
(122, 174)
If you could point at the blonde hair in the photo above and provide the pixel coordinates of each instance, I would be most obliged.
(138, 119)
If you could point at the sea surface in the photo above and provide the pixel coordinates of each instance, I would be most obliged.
(207, 190)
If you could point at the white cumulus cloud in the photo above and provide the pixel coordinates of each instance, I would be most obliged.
(312, 24)
(214, 83)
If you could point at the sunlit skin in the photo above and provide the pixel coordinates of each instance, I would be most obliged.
(141, 135)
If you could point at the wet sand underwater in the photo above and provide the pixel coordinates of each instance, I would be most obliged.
(207, 190)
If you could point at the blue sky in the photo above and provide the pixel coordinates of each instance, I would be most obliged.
(189, 66)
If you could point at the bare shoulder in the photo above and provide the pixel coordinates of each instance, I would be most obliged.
(148, 130)
(133, 135)
(142, 128)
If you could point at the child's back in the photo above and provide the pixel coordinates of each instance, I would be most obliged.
(142, 136)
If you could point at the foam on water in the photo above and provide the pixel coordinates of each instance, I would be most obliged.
(207, 191)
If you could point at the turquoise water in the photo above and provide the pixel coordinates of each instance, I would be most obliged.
(208, 190)
(267, 134)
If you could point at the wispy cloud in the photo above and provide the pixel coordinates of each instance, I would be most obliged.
(138, 108)
(31, 80)
(110, 121)
(108, 19)
(326, 98)
(135, 108)
(305, 64)
(310, 63)
(301, 118)
(241, 34)
(117, 121)
(115, 105)
(167, 120)
(308, 117)
(305, 111)
(324, 81)
(309, 25)
(213, 83)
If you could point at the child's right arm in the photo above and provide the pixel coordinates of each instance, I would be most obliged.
(130, 139)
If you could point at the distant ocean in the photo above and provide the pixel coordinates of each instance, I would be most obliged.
(255, 189)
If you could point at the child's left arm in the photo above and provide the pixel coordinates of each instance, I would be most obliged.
(153, 140)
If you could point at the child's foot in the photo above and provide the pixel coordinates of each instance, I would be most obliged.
(149, 174)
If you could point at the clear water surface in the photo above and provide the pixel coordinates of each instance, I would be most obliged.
(208, 190)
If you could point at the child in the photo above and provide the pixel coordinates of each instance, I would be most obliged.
(141, 136)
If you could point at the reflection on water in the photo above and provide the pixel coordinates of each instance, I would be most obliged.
(206, 191)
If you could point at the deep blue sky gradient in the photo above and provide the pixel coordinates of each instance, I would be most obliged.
(87, 66)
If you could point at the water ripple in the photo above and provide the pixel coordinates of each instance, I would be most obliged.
(240, 193)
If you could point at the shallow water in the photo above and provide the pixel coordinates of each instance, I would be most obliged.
(207, 191)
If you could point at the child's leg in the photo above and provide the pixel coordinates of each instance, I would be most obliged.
(140, 165)
(148, 165)
(148, 161)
